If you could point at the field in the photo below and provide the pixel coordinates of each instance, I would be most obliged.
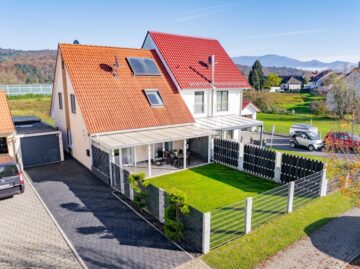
(212, 186)
(31, 105)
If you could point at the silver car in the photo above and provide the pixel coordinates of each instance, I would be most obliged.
(11, 179)
(308, 140)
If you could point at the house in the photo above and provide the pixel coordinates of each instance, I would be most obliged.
(318, 80)
(130, 107)
(208, 80)
(7, 129)
(291, 84)
(249, 110)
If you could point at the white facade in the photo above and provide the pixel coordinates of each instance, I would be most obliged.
(291, 87)
(78, 132)
(249, 111)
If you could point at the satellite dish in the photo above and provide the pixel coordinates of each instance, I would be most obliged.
(76, 42)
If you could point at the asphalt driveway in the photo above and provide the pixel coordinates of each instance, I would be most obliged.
(104, 231)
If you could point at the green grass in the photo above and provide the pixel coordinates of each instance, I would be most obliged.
(31, 105)
(284, 122)
(264, 242)
(211, 186)
(298, 102)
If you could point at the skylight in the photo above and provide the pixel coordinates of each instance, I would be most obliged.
(143, 66)
(154, 98)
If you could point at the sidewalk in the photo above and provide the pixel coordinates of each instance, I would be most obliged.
(28, 236)
(333, 246)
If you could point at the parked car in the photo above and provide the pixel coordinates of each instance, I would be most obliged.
(308, 140)
(11, 178)
(342, 140)
(303, 127)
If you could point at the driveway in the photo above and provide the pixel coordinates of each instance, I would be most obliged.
(332, 246)
(103, 230)
(28, 236)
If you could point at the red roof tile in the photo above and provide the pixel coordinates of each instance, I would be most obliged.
(187, 58)
(6, 123)
(109, 104)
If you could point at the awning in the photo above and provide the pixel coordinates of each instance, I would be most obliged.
(151, 136)
(227, 122)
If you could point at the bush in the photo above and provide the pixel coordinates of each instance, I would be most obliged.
(177, 207)
(319, 108)
(137, 181)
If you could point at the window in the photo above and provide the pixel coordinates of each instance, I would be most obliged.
(199, 102)
(73, 104)
(143, 66)
(222, 101)
(127, 155)
(154, 98)
(60, 100)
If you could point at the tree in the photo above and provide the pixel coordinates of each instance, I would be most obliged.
(341, 96)
(256, 76)
(272, 80)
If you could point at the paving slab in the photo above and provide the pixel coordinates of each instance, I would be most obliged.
(332, 246)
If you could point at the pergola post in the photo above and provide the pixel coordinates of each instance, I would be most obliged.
(209, 149)
(185, 153)
(135, 159)
(261, 135)
(149, 160)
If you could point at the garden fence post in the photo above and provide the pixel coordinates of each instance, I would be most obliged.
(122, 188)
(206, 232)
(291, 196)
(131, 193)
(161, 205)
(323, 183)
(241, 157)
(248, 209)
(277, 172)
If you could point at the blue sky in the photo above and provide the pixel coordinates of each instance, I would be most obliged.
(305, 29)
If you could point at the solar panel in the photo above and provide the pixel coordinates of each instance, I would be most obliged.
(143, 66)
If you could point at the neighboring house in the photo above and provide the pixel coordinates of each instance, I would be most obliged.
(291, 84)
(212, 92)
(249, 110)
(319, 80)
(7, 129)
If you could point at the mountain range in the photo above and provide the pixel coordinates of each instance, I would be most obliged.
(273, 60)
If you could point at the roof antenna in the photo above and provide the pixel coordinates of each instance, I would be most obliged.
(116, 68)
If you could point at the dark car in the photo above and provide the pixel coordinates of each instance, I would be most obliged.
(342, 140)
(11, 178)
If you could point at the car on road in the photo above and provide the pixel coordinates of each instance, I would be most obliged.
(309, 140)
(342, 140)
(11, 178)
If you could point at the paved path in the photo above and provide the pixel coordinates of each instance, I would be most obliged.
(104, 231)
(28, 236)
(332, 246)
(194, 264)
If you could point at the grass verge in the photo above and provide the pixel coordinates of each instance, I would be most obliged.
(264, 242)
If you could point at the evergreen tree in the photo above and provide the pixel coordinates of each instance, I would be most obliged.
(256, 76)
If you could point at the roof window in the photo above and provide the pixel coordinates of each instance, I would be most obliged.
(154, 97)
(143, 66)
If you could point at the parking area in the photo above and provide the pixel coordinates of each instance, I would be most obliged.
(28, 236)
(103, 230)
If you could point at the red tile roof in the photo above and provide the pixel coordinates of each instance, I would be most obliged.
(246, 103)
(109, 104)
(187, 58)
(5, 158)
(6, 123)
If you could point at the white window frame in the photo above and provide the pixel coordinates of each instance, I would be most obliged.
(157, 95)
(220, 101)
(60, 100)
(199, 104)
(73, 103)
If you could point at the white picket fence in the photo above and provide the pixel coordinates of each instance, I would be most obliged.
(23, 89)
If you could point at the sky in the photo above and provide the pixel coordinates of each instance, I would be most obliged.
(326, 30)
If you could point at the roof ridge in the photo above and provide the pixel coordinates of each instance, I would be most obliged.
(103, 46)
(183, 35)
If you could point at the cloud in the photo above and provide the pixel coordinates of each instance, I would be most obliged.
(196, 13)
(286, 34)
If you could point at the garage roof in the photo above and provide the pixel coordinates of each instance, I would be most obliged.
(151, 136)
(31, 125)
(227, 122)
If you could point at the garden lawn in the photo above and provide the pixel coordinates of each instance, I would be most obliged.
(211, 186)
(31, 105)
(264, 242)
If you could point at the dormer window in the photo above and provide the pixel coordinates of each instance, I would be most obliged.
(154, 98)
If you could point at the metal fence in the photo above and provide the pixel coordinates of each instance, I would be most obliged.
(23, 89)
(234, 220)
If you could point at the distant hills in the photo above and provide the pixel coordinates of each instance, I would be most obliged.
(273, 60)
(18, 66)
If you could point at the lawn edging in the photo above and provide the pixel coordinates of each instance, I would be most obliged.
(264, 242)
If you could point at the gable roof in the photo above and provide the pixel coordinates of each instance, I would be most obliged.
(108, 104)
(6, 123)
(246, 103)
(187, 58)
(321, 75)
(291, 80)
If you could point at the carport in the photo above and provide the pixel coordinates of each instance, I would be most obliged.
(37, 142)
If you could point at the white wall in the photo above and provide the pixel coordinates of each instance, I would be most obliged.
(249, 110)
